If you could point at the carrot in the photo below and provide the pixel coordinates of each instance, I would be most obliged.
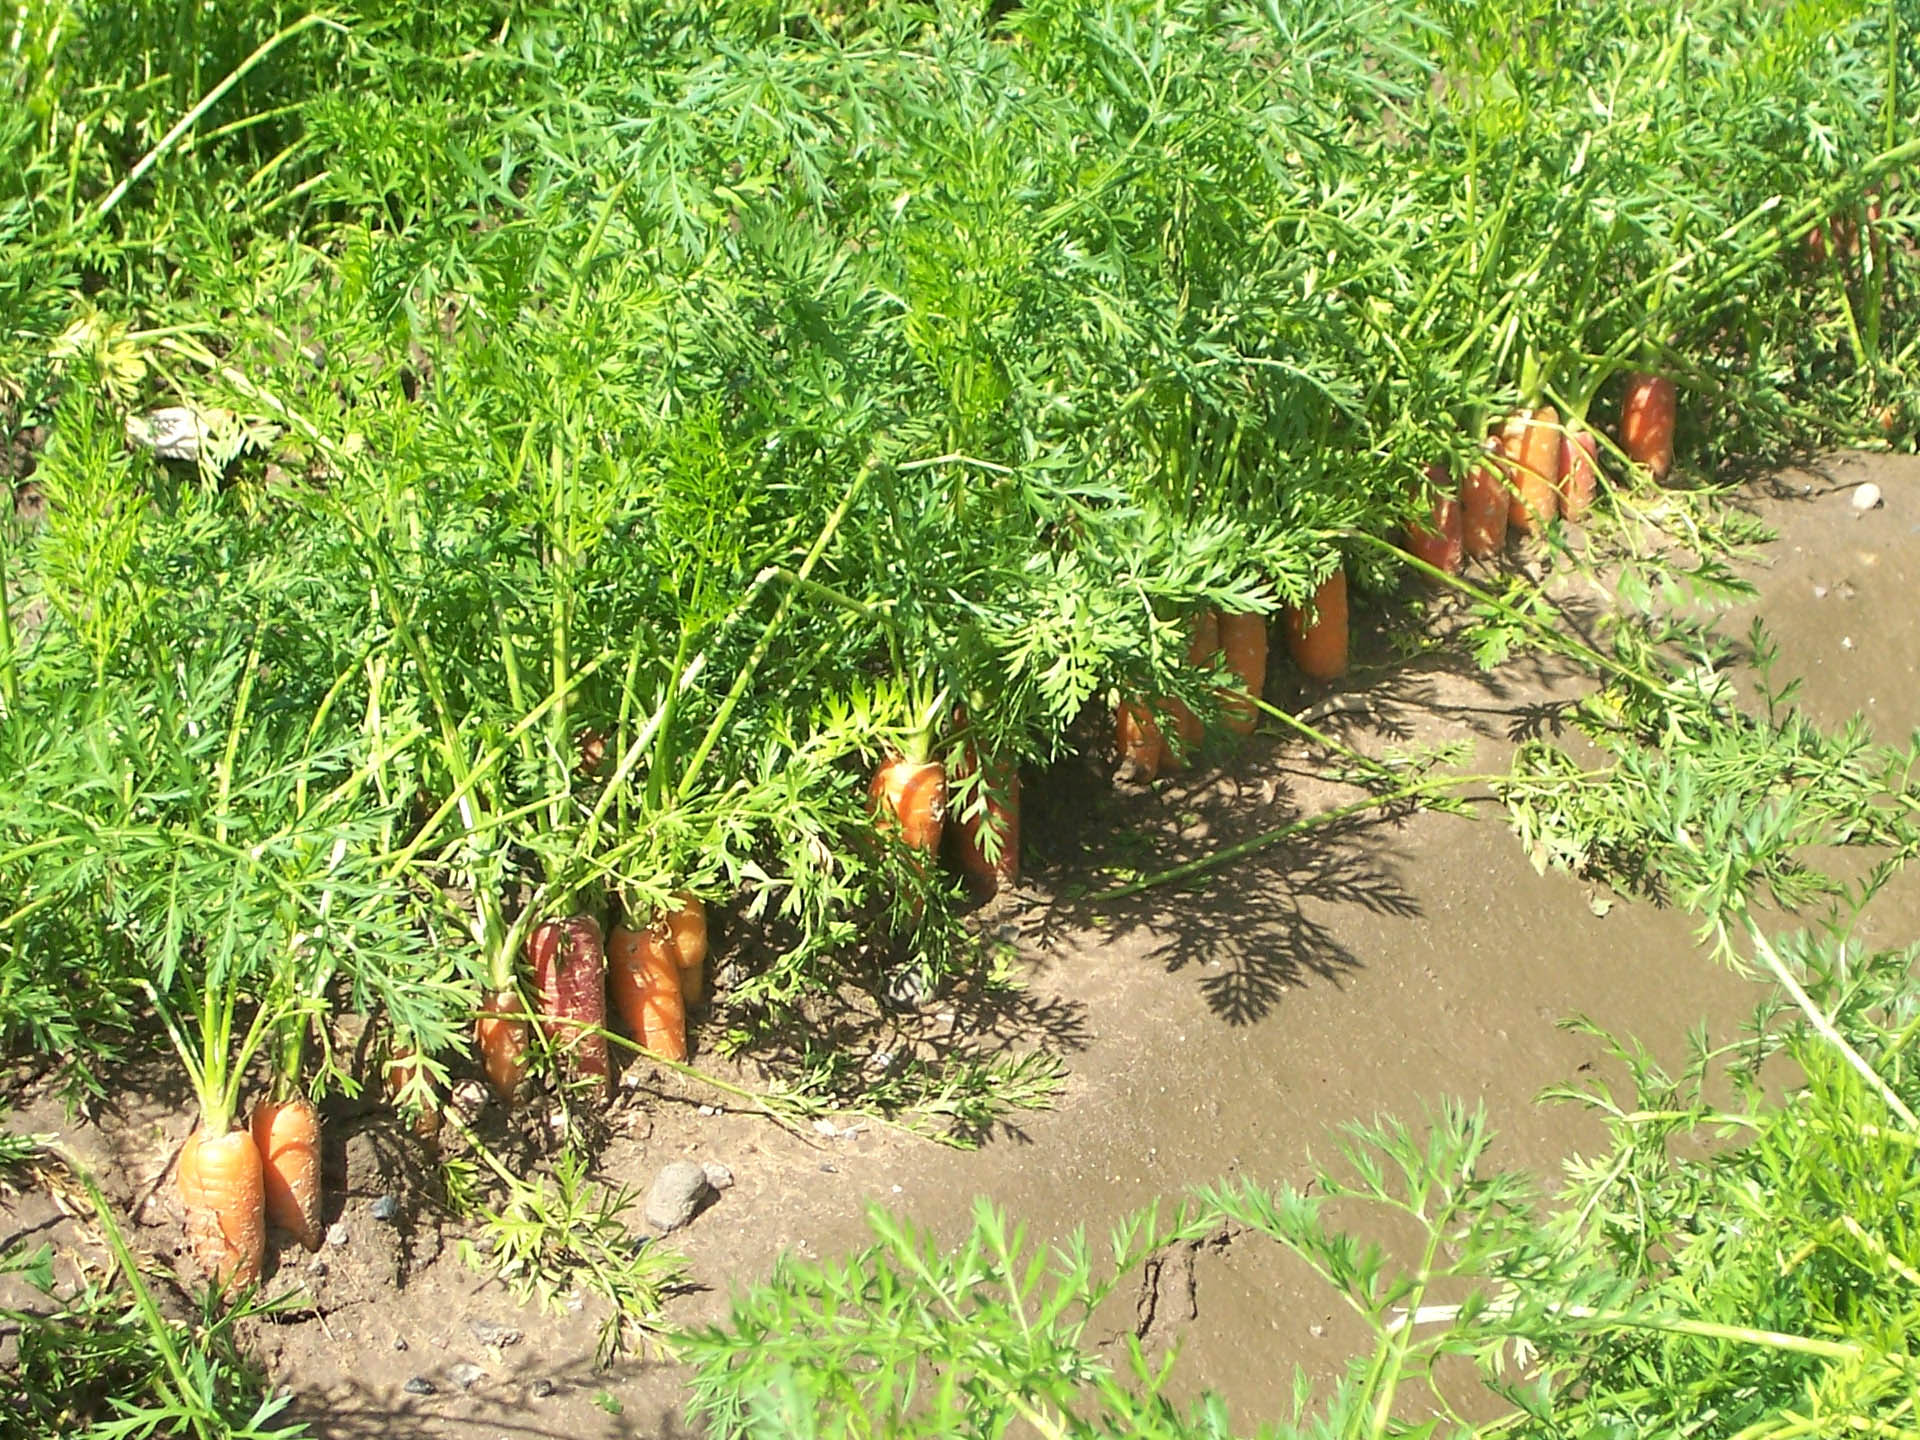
(1579, 472)
(1201, 649)
(1243, 638)
(223, 1189)
(1442, 541)
(502, 1034)
(401, 1069)
(643, 979)
(1646, 422)
(1319, 646)
(909, 798)
(593, 751)
(1001, 816)
(687, 925)
(1530, 444)
(1484, 507)
(1137, 739)
(569, 965)
(286, 1135)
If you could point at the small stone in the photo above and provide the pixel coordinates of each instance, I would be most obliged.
(337, 1234)
(907, 990)
(678, 1192)
(384, 1207)
(540, 1389)
(466, 1375)
(824, 1127)
(1866, 497)
(1819, 592)
(493, 1334)
(317, 1268)
(420, 1385)
(827, 1167)
(718, 1176)
(880, 1060)
(399, 1342)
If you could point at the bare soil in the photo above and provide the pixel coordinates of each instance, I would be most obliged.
(1215, 1031)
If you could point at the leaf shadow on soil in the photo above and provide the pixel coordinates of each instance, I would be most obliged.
(500, 1405)
(1249, 930)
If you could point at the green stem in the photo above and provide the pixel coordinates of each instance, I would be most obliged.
(747, 671)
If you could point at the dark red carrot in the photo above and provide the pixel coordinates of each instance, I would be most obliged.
(569, 963)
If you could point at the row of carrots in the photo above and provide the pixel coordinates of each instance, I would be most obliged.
(1536, 469)
(651, 973)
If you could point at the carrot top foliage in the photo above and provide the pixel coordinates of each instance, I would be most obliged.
(395, 396)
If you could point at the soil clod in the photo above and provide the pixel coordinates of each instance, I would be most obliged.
(679, 1191)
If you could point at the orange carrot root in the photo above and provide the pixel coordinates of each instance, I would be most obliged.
(1647, 417)
(1530, 444)
(400, 1072)
(643, 981)
(222, 1186)
(910, 800)
(687, 926)
(287, 1136)
(1579, 473)
(1137, 739)
(1442, 541)
(966, 841)
(1318, 644)
(1187, 726)
(1243, 639)
(1484, 508)
(501, 1032)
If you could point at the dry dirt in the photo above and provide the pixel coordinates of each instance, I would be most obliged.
(1210, 1032)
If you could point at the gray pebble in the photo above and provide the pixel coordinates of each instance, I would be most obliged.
(678, 1192)
(384, 1207)
(337, 1234)
(466, 1375)
(493, 1334)
(718, 1176)
(540, 1389)
(420, 1385)
(1866, 497)
(317, 1268)
(399, 1342)
(907, 990)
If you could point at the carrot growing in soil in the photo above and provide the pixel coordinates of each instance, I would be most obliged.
(1530, 445)
(1484, 508)
(1136, 740)
(1579, 471)
(1647, 416)
(1243, 639)
(1188, 730)
(644, 980)
(569, 963)
(1442, 541)
(1317, 633)
(985, 845)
